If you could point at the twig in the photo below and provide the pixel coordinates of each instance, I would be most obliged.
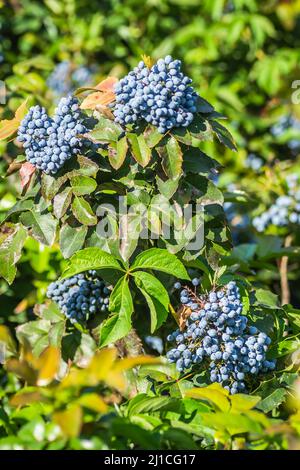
(283, 270)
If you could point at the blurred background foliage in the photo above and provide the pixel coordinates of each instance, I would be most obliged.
(243, 56)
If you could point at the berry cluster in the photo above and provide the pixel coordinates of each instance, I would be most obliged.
(216, 334)
(284, 211)
(161, 95)
(48, 142)
(64, 79)
(253, 162)
(80, 296)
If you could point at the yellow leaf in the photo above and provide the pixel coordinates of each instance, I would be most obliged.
(97, 370)
(102, 363)
(48, 365)
(69, 420)
(215, 396)
(241, 402)
(7, 339)
(116, 380)
(130, 362)
(148, 61)
(9, 127)
(21, 369)
(26, 398)
(93, 402)
(21, 111)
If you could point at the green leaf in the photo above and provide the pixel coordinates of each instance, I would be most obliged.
(152, 136)
(90, 258)
(196, 161)
(167, 188)
(61, 202)
(144, 404)
(71, 239)
(223, 135)
(171, 156)
(82, 185)
(83, 212)
(43, 226)
(156, 296)
(160, 260)
(12, 240)
(119, 324)
(266, 298)
(209, 193)
(105, 131)
(140, 150)
(273, 400)
(36, 334)
(117, 153)
(241, 402)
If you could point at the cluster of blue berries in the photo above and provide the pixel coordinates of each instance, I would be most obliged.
(64, 79)
(161, 95)
(48, 142)
(81, 296)
(254, 162)
(288, 123)
(216, 334)
(284, 211)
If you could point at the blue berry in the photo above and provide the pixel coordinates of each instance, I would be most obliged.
(49, 143)
(233, 350)
(161, 95)
(76, 296)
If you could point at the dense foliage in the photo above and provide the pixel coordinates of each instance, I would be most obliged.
(156, 107)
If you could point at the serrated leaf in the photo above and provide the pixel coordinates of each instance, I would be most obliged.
(140, 150)
(43, 226)
(171, 155)
(12, 242)
(223, 135)
(105, 131)
(82, 185)
(71, 239)
(156, 296)
(272, 401)
(83, 211)
(117, 153)
(121, 305)
(61, 202)
(160, 260)
(90, 258)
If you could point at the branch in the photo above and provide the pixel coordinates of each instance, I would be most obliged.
(283, 271)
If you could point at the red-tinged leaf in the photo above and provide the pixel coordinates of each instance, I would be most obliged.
(107, 84)
(26, 172)
(98, 99)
